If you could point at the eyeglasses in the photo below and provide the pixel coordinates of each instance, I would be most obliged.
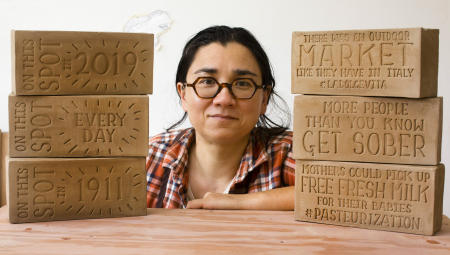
(209, 87)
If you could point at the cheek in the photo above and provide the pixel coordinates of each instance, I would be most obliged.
(258, 104)
(252, 111)
(194, 105)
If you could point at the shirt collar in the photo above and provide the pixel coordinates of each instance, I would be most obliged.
(255, 154)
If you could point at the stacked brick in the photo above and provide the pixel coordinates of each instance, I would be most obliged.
(367, 129)
(78, 119)
(4, 165)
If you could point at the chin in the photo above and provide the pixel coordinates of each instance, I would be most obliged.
(225, 135)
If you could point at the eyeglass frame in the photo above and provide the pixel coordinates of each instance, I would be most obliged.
(224, 84)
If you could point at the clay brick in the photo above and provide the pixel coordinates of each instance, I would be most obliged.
(368, 129)
(73, 63)
(399, 198)
(383, 62)
(3, 176)
(66, 189)
(78, 126)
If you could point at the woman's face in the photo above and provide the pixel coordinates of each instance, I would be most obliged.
(223, 119)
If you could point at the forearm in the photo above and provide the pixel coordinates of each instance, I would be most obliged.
(279, 199)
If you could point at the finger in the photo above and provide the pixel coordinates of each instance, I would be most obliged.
(195, 204)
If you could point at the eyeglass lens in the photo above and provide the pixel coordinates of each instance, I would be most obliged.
(207, 87)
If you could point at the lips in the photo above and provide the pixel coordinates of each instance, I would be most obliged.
(222, 116)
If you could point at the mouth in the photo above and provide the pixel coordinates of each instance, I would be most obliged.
(222, 116)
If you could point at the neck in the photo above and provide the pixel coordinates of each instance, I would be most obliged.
(212, 166)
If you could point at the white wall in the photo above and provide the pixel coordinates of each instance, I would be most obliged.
(271, 21)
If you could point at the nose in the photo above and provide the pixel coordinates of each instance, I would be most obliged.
(224, 97)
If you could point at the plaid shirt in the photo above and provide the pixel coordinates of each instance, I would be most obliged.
(261, 168)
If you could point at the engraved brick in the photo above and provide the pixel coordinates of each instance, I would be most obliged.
(66, 189)
(368, 129)
(69, 63)
(400, 198)
(78, 126)
(4, 183)
(383, 62)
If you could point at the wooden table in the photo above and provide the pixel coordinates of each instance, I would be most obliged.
(209, 232)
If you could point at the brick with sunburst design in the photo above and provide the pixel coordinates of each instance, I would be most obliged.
(47, 189)
(78, 126)
(81, 63)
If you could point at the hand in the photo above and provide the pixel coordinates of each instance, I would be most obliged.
(275, 199)
(216, 201)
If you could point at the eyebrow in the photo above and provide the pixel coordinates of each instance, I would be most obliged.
(214, 71)
(244, 72)
(206, 70)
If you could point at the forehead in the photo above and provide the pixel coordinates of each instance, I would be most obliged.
(228, 57)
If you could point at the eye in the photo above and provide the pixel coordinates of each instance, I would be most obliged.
(206, 82)
(243, 84)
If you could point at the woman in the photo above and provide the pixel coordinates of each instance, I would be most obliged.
(233, 151)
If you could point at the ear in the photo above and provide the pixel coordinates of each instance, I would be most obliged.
(266, 94)
(181, 89)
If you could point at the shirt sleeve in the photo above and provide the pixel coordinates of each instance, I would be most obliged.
(288, 165)
(155, 170)
(152, 179)
(289, 169)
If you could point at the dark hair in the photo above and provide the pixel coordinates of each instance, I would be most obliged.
(266, 128)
